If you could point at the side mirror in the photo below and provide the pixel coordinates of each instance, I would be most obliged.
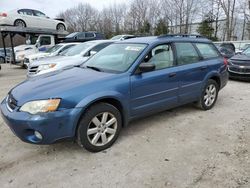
(146, 67)
(91, 53)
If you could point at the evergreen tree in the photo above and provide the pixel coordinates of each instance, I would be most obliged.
(206, 28)
(161, 27)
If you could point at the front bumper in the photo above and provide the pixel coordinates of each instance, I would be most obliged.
(240, 73)
(52, 126)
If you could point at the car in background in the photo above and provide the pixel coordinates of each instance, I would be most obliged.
(83, 37)
(53, 51)
(74, 56)
(124, 81)
(239, 66)
(122, 37)
(30, 18)
(3, 56)
(226, 52)
(228, 45)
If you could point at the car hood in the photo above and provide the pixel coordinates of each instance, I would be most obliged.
(60, 84)
(240, 57)
(22, 47)
(37, 55)
(63, 60)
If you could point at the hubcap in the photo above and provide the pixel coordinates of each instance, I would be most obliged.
(102, 129)
(210, 95)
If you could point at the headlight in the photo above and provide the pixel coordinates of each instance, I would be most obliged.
(45, 67)
(20, 56)
(34, 107)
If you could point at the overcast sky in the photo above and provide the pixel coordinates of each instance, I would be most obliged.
(52, 7)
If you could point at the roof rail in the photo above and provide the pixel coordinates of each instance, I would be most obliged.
(181, 35)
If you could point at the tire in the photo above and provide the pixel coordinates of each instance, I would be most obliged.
(2, 60)
(209, 95)
(20, 23)
(99, 127)
(60, 27)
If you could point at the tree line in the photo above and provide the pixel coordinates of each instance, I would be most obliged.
(155, 17)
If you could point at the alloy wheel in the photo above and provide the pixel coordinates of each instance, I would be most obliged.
(102, 129)
(210, 95)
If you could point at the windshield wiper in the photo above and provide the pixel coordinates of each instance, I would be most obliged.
(94, 68)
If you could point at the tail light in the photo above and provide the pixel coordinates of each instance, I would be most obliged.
(3, 14)
(225, 62)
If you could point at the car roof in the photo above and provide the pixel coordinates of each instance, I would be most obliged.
(166, 38)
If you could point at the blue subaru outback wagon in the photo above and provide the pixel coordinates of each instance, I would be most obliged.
(126, 80)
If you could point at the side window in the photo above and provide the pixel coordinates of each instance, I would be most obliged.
(186, 53)
(161, 56)
(207, 50)
(38, 13)
(81, 36)
(89, 35)
(45, 41)
(25, 12)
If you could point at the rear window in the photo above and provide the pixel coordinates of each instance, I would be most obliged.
(207, 50)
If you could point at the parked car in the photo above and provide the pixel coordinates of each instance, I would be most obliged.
(124, 81)
(226, 52)
(30, 18)
(53, 51)
(228, 45)
(72, 57)
(83, 36)
(122, 37)
(239, 65)
(2, 54)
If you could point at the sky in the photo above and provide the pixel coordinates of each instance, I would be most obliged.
(52, 7)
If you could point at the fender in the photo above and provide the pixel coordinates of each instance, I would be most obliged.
(210, 75)
(84, 103)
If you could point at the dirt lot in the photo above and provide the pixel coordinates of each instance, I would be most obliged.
(183, 147)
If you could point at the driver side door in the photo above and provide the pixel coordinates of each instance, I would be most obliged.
(158, 89)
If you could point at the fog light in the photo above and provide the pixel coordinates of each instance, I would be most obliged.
(38, 135)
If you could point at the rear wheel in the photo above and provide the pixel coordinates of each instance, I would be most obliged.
(19, 23)
(99, 127)
(209, 95)
(60, 27)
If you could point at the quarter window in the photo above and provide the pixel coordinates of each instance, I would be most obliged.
(186, 53)
(161, 56)
(207, 50)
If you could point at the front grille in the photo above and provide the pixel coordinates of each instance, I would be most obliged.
(33, 69)
(240, 62)
(11, 102)
(239, 70)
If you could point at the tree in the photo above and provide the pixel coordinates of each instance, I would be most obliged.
(161, 27)
(205, 27)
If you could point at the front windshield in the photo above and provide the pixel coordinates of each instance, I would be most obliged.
(77, 49)
(54, 48)
(116, 57)
(247, 51)
(116, 37)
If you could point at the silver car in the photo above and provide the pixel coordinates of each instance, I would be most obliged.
(72, 57)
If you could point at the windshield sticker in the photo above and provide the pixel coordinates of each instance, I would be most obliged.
(133, 48)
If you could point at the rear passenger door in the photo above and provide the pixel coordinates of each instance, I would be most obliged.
(192, 69)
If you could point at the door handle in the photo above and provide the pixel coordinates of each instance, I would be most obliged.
(172, 75)
(203, 68)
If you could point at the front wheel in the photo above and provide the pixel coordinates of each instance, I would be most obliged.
(99, 127)
(19, 23)
(209, 95)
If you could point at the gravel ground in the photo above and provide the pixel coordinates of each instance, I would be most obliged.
(184, 147)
